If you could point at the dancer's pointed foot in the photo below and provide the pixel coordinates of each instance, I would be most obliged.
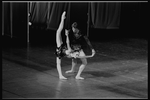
(69, 71)
(62, 78)
(78, 77)
(63, 15)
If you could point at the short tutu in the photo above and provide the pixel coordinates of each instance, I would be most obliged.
(62, 51)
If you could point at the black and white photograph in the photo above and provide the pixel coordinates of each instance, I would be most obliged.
(75, 49)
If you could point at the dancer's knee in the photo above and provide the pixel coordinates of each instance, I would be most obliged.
(74, 61)
(84, 62)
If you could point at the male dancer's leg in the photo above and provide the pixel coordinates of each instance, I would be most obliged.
(74, 63)
(81, 68)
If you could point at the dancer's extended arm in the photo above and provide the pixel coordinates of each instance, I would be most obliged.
(67, 40)
(90, 45)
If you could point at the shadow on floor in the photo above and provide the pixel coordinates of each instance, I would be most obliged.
(94, 74)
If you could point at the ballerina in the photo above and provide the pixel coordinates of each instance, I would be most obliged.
(72, 49)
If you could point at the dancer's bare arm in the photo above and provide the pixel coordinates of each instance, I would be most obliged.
(90, 45)
(67, 40)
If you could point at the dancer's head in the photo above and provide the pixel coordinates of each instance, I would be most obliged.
(75, 30)
(74, 26)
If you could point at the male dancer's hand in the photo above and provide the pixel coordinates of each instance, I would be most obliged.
(93, 52)
(66, 32)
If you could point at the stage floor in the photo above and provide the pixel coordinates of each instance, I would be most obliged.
(118, 70)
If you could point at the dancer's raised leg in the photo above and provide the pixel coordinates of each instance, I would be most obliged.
(59, 30)
(59, 42)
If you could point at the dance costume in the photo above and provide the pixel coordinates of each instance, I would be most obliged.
(61, 51)
(76, 43)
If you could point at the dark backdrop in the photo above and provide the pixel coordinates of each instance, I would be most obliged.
(129, 19)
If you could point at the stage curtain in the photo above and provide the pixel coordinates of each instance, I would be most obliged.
(49, 13)
(14, 19)
(6, 21)
(105, 15)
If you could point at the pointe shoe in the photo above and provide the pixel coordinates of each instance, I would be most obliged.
(62, 77)
(69, 71)
(78, 77)
(63, 15)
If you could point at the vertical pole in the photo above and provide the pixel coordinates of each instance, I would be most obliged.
(11, 19)
(68, 16)
(3, 19)
(48, 16)
(28, 15)
(28, 22)
(88, 21)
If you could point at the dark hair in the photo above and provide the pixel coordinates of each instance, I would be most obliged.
(74, 24)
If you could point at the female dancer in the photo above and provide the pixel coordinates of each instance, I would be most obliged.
(60, 46)
(72, 50)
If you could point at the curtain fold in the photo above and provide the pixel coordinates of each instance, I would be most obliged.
(38, 12)
(49, 14)
(105, 15)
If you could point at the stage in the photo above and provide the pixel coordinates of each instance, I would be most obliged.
(119, 70)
